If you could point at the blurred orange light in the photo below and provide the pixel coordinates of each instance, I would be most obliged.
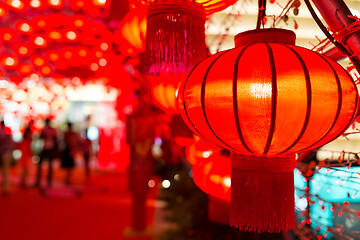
(82, 53)
(35, 77)
(40, 41)
(7, 36)
(46, 70)
(98, 54)
(71, 35)
(55, 2)
(25, 69)
(100, 3)
(104, 46)
(94, 67)
(68, 55)
(10, 61)
(17, 4)
(55, 35)
(80, 4)
(79, 23)
(54, 56)
(25, 27)
(3, 10)
(41, 23)
(102, 62)
(23, 50)
(35, 3)
(38, 61)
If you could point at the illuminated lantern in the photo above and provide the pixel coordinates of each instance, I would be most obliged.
(213, 176)
(9, 61)
(101, 3)
(133, 29)
(78, 21)
(266, 100)
(24, 27)
(24, 69)
(8, 35)
(38, 60)
(164, 89)
(3, 9)
(40, 22)
(56, 4)
(46, 70)
(71, 35)
(37, 4)
(55, 35)
(52, 55)
(16, 5)
(23, 49)
(39, 41)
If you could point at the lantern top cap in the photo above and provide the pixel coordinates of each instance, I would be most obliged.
(177, 7)
(270, 35)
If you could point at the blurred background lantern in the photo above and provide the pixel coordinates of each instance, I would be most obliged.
(246, 100)
(133, 29)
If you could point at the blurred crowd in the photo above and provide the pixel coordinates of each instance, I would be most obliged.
(48, 145)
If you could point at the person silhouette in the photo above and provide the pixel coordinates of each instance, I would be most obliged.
(5, 155)
(49, 136)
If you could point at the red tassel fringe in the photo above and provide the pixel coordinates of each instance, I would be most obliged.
(175, 39)
(262, 201)
(218, 210)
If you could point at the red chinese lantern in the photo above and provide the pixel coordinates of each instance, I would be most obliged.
(164, 90)
(212, 174)
(133, 28)
(266, 100)
(3, 9)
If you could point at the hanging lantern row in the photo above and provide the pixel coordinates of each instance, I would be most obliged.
(91, 7)
(55, 44)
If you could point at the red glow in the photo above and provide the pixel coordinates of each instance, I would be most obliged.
(8, 35)
(40, 42)
(55, 35)
(24, 27)
(46, 70)
(9, 62)
(37, 4)
(72, 36)
(53, 55)
(23, 49)
(57, 4)
(16, 5)
(100, 3)
(38, 61)
(3, 10)
(24, 69)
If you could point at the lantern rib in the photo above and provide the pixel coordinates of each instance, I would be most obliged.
(308, 93)
(339, 102)
(185, 110)
(235, 100)
(273, 98)
(203, 86)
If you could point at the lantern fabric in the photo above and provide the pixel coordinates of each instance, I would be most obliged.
(212, 174)
(133, 28)
(265, 100)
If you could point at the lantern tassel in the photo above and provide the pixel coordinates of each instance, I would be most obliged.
(175, 39)
(262, 198)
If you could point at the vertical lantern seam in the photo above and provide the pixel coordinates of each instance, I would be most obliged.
(203, 86)
(308, 104)
(339, 101)
(235, 100)
(273, 98)
(183, 93)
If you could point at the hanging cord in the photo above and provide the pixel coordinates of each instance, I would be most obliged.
(261, 13)
(353, 59)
